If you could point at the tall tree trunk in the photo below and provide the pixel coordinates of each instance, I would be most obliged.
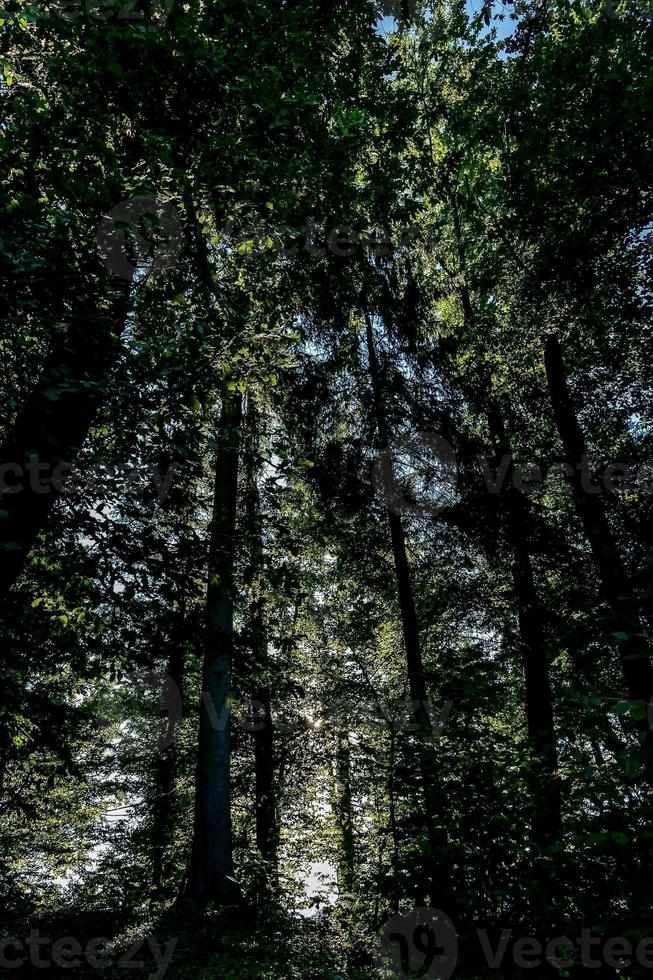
(395, 895)
(439, 883)
(266, 821)
(547, 828)
(48, 434)
(545, 785)
(342, 809)
(545, 794)
(211, 872)
(547, 819)
(165, 774)
(616, 588)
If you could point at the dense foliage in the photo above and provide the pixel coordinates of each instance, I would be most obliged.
(325, 489)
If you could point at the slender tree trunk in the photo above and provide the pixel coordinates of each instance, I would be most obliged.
(38, 452)
(392, 819)
(547, 822)
(545, 785)
(165, 776)
(616, 588)
(545, 793)
(165, 769)
(547, 828)
(264, 770)
(266, 821)
(439, 883)
(342, 808)
(547, 819)
(211, 872)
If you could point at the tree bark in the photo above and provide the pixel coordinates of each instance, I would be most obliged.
(395, 895)
(546, 826)
(616, 589)
(165, 776)
(48, 434)
(211, 872)
(342, 808)
(439, 883)
(266, 821)
(547, 819)
(264, 769)
(544, 783)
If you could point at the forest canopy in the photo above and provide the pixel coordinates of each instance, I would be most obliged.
(326, 539)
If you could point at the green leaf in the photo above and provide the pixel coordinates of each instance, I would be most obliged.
(618, 837)
(621, 708)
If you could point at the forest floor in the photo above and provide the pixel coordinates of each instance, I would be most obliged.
(281, 947)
